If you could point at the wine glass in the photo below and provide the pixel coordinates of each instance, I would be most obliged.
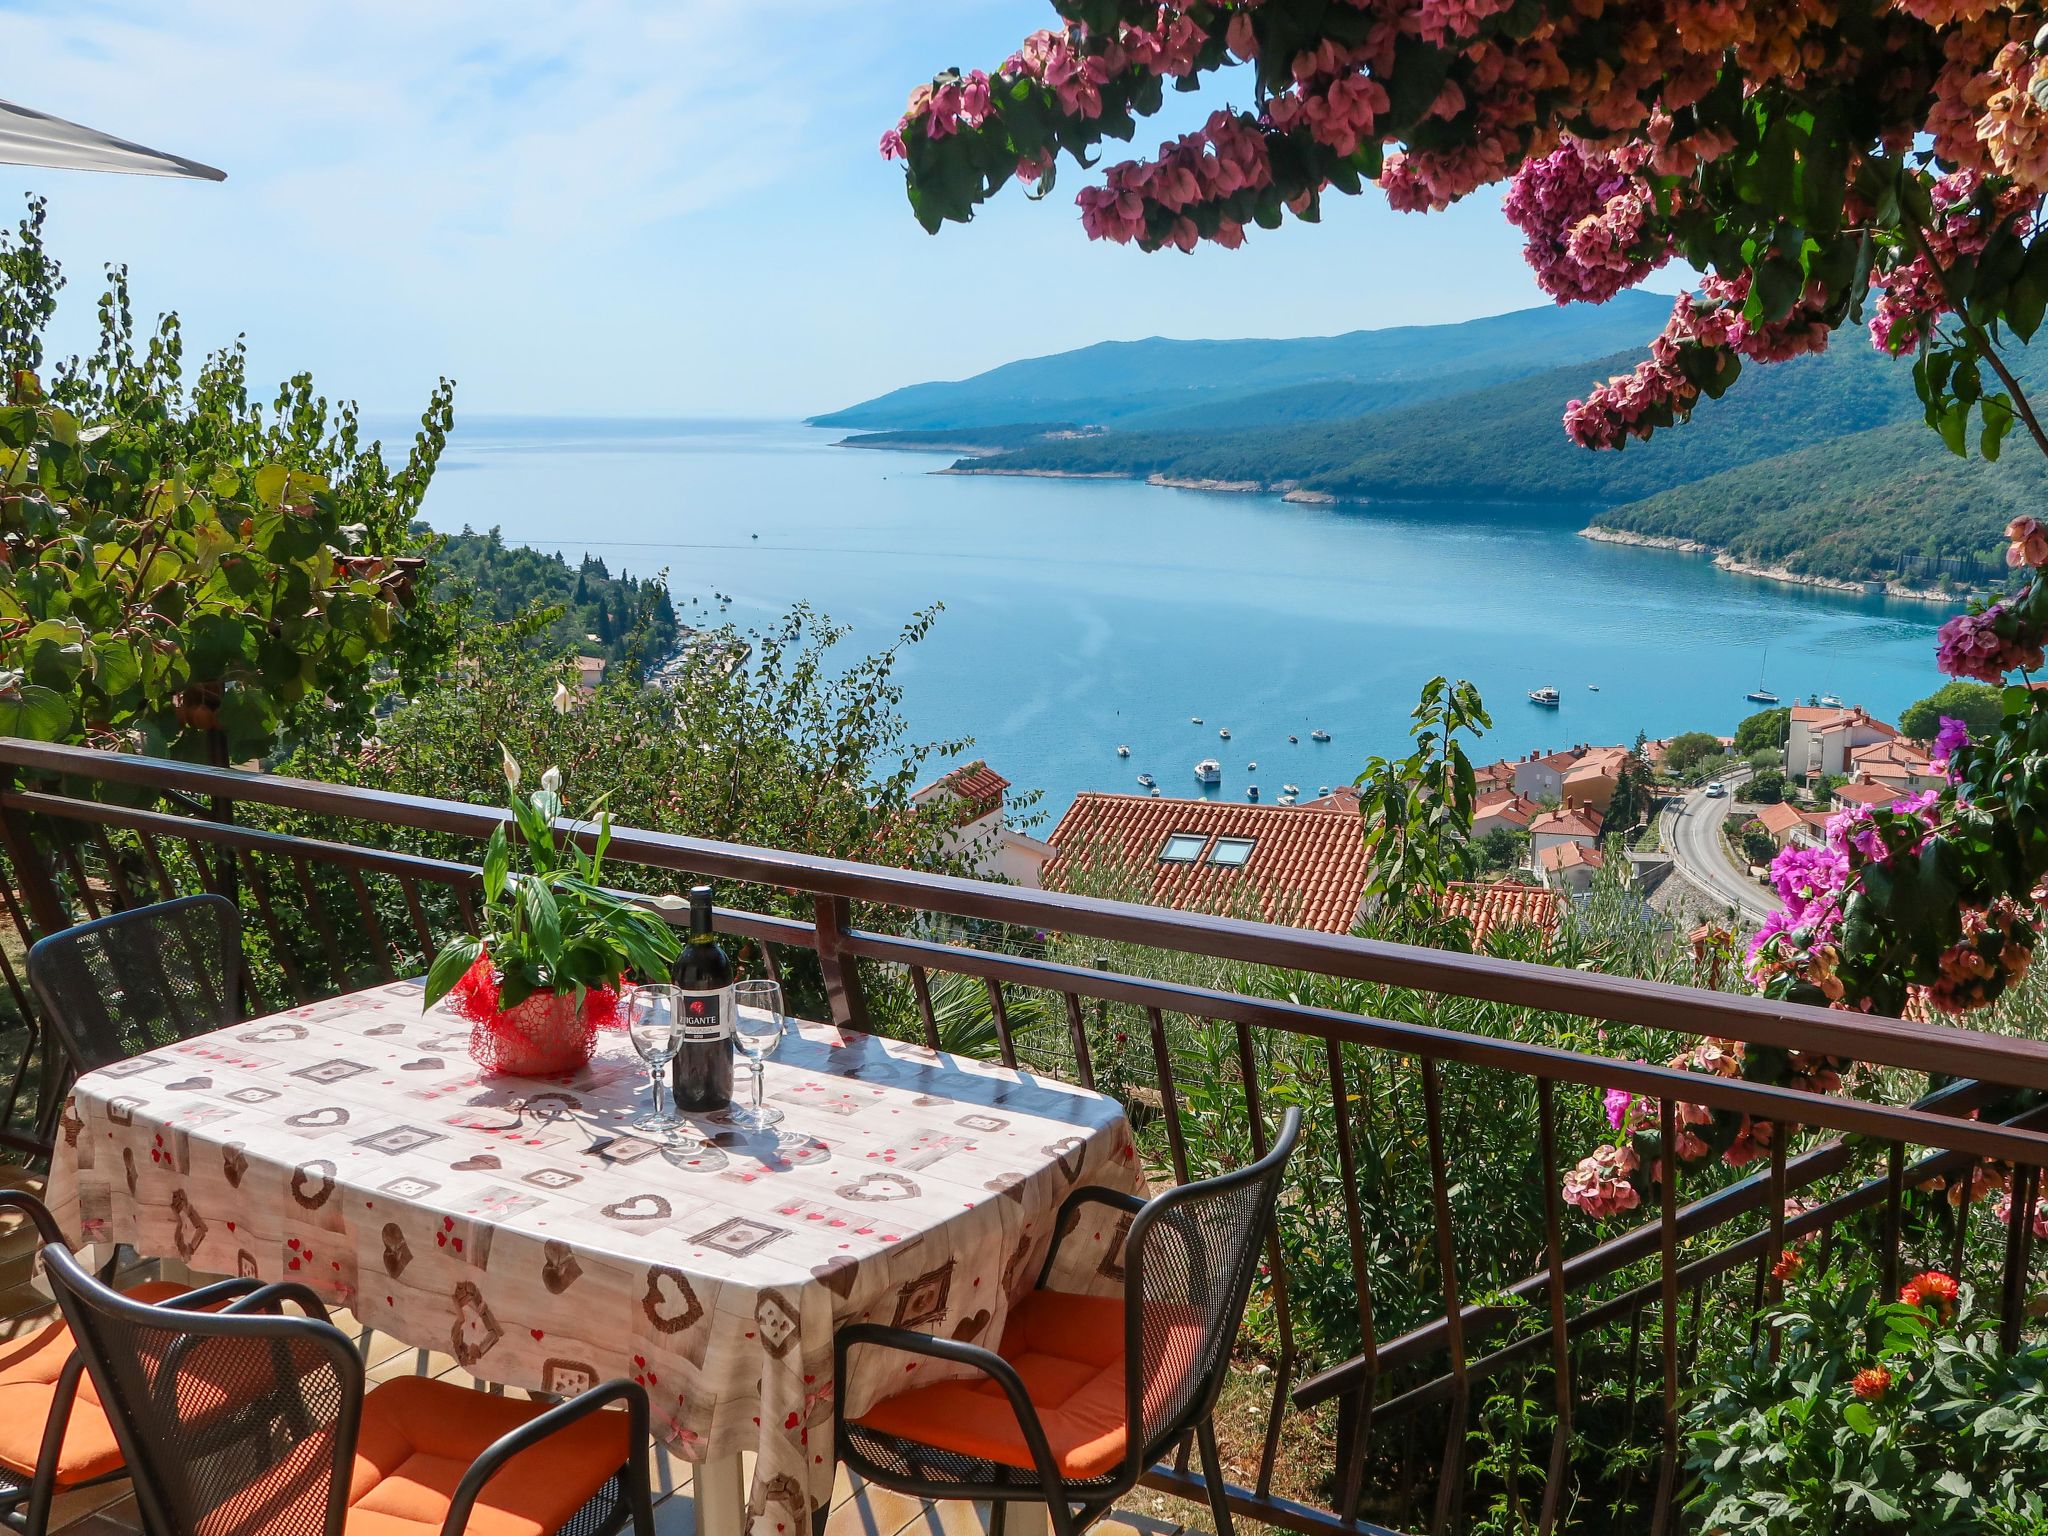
(654, 1025)
(757, 1031)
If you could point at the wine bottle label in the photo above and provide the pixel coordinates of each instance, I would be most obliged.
(706, 1016)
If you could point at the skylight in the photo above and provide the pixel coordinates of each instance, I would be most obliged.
(1231, 852)
(1182, 848)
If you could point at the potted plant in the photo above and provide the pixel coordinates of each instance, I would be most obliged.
(545, 972)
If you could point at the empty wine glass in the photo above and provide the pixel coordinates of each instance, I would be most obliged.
(653, 1024)
(757, 1031)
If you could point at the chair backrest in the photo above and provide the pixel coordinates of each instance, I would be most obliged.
(126, 984)
(231, 1424)
(1189, 1260)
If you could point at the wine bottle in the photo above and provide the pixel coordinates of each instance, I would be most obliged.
(702, 1073)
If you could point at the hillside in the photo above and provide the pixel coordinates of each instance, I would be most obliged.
(1313, 377)
(1505, 443)
(1886, 503)
(619, 617)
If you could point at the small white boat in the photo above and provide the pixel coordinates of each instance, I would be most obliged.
(1547, 697)
(1209, 771)
(1322, 791)
(1251, 767)
(1319, 734)
(1224, 733)
(1294, 741)
(1194, 719)
(1594, 687)
(1155, 794)
(1285, 800)
(1290, 789)
(1830, 701)
(1123, 751)
(1760, 694)
(1147, 780)
(1252, 793)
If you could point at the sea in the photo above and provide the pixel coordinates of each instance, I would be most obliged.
(1080, 615)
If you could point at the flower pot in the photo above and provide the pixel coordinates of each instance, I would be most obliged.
(547, 1035)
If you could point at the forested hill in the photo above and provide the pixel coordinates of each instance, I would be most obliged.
(1167, 383)
(619, 617)
(1506, 443)
(1887, 503)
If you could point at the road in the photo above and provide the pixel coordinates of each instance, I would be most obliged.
(1692, 835)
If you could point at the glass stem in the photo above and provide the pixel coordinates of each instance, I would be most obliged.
(654, 1084)
(760, 1068)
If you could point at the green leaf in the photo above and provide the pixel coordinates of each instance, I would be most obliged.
(34, 713)
(543, 918)
(449, 967)
(497, 859)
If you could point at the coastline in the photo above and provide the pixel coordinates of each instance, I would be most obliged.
(1723, 560)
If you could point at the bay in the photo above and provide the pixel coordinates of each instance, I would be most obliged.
(1084, 614)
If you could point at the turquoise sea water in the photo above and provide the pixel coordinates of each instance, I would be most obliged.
(1081, 614)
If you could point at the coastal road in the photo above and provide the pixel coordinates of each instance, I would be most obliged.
(1692, 834)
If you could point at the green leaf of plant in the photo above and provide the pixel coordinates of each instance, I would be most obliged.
(449, 967)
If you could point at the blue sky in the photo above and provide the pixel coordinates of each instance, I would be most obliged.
(616, 207)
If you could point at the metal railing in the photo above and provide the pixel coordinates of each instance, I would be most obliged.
(331, 900)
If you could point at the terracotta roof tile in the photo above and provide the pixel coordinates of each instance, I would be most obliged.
(1860, 793)
(1343, 798)
(1508, 904)
(1306, 869)
(1578, 820)
(1780, 818)
(1893, 749)
(1560, 856)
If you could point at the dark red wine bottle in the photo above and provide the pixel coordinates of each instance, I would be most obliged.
(702, 1073)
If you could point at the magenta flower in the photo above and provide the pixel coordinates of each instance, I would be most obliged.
(1986, 645)
(1953, 736)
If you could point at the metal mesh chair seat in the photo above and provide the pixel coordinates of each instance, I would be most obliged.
(250, 1422)
(1118, 1379)
(140, 979)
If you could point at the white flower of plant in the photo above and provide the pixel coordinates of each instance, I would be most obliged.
(552, 781)
(564, 700)
(511, 766)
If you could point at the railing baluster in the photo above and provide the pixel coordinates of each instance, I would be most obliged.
(79, 880)
(123, 896)
(1451, 1487)
(1361, 1279)
(1276, 1269)
(1560, 1339)
(770, 966)
(280, 946)
(463, 903)
(1667, 1476)
(316, 915)
(1077, 1033)
(380, 941)
(921, 986)
(1775, 1291)
(2019, 1232)
(1001, 1014)
(834, 917)
(1169, 1094)
(153, 860)
(1894, 1199)
(417, 908)
(1962, 1188)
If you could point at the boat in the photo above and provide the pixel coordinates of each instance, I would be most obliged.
(1285, 800)
(1155, 794)
(1252, 792)
(1594, 687)
(1147, 780)
(1831, 701)
(1123, 751)
(1209, 771)
(1319, 734)
(1294, 741)
(1322, 791)
(1760, 694)
(1251, 767)
(1290, 789)
(1547, 697)
(1224, 733)
(1194, 719)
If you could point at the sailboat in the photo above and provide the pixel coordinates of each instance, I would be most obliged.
(1760, 694)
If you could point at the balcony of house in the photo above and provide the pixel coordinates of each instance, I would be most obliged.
(1421, 1275)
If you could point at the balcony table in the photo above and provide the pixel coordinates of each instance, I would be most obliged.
(522, 1226)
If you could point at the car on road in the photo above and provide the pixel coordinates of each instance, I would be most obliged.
(1716, 789)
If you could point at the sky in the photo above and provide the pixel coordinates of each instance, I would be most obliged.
(634, 207)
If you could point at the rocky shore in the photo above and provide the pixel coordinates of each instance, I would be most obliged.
(1727, 562)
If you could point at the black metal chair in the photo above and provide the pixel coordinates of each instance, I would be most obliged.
(253, 1422)
(53, 1437)
(128, 983)
(1086, 1392)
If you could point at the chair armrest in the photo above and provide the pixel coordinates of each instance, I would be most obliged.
(954, 1351)
(260, 1297)
(534, 1431)
(1087, 1194)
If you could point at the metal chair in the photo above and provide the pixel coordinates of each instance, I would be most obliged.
(139, 979)
(53, 1438)
(1086, 1392)
(252, 1422)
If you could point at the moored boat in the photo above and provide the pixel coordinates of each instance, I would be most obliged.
(1547, 697)
(1147, 780)
(1318, 734)
(1209, 771)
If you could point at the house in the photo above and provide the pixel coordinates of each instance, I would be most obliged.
(980, 836)
(589, 673)
(1786, 824)
(1570, 867)
(1343, 798)
(1282, 864)
(1508, 904)
(1863, 791)
(1540, 775)
(1896, 763)
(1591, 780)
(1820, 738)
(1500, 808)
(1493, 776)
(1571, 823)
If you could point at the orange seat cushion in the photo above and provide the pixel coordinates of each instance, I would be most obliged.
(29, 1368)
(419, 1437)
(1069, 1352)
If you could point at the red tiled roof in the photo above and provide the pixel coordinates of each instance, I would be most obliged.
(1893, 749)
(1306, 869)
(1580, 820)
(1509, 904)
(1780, 818)
(1860, 793)
(1494, 774)
(1505, 805)
(1343, 798)
(1561, 856)
(975, 781)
